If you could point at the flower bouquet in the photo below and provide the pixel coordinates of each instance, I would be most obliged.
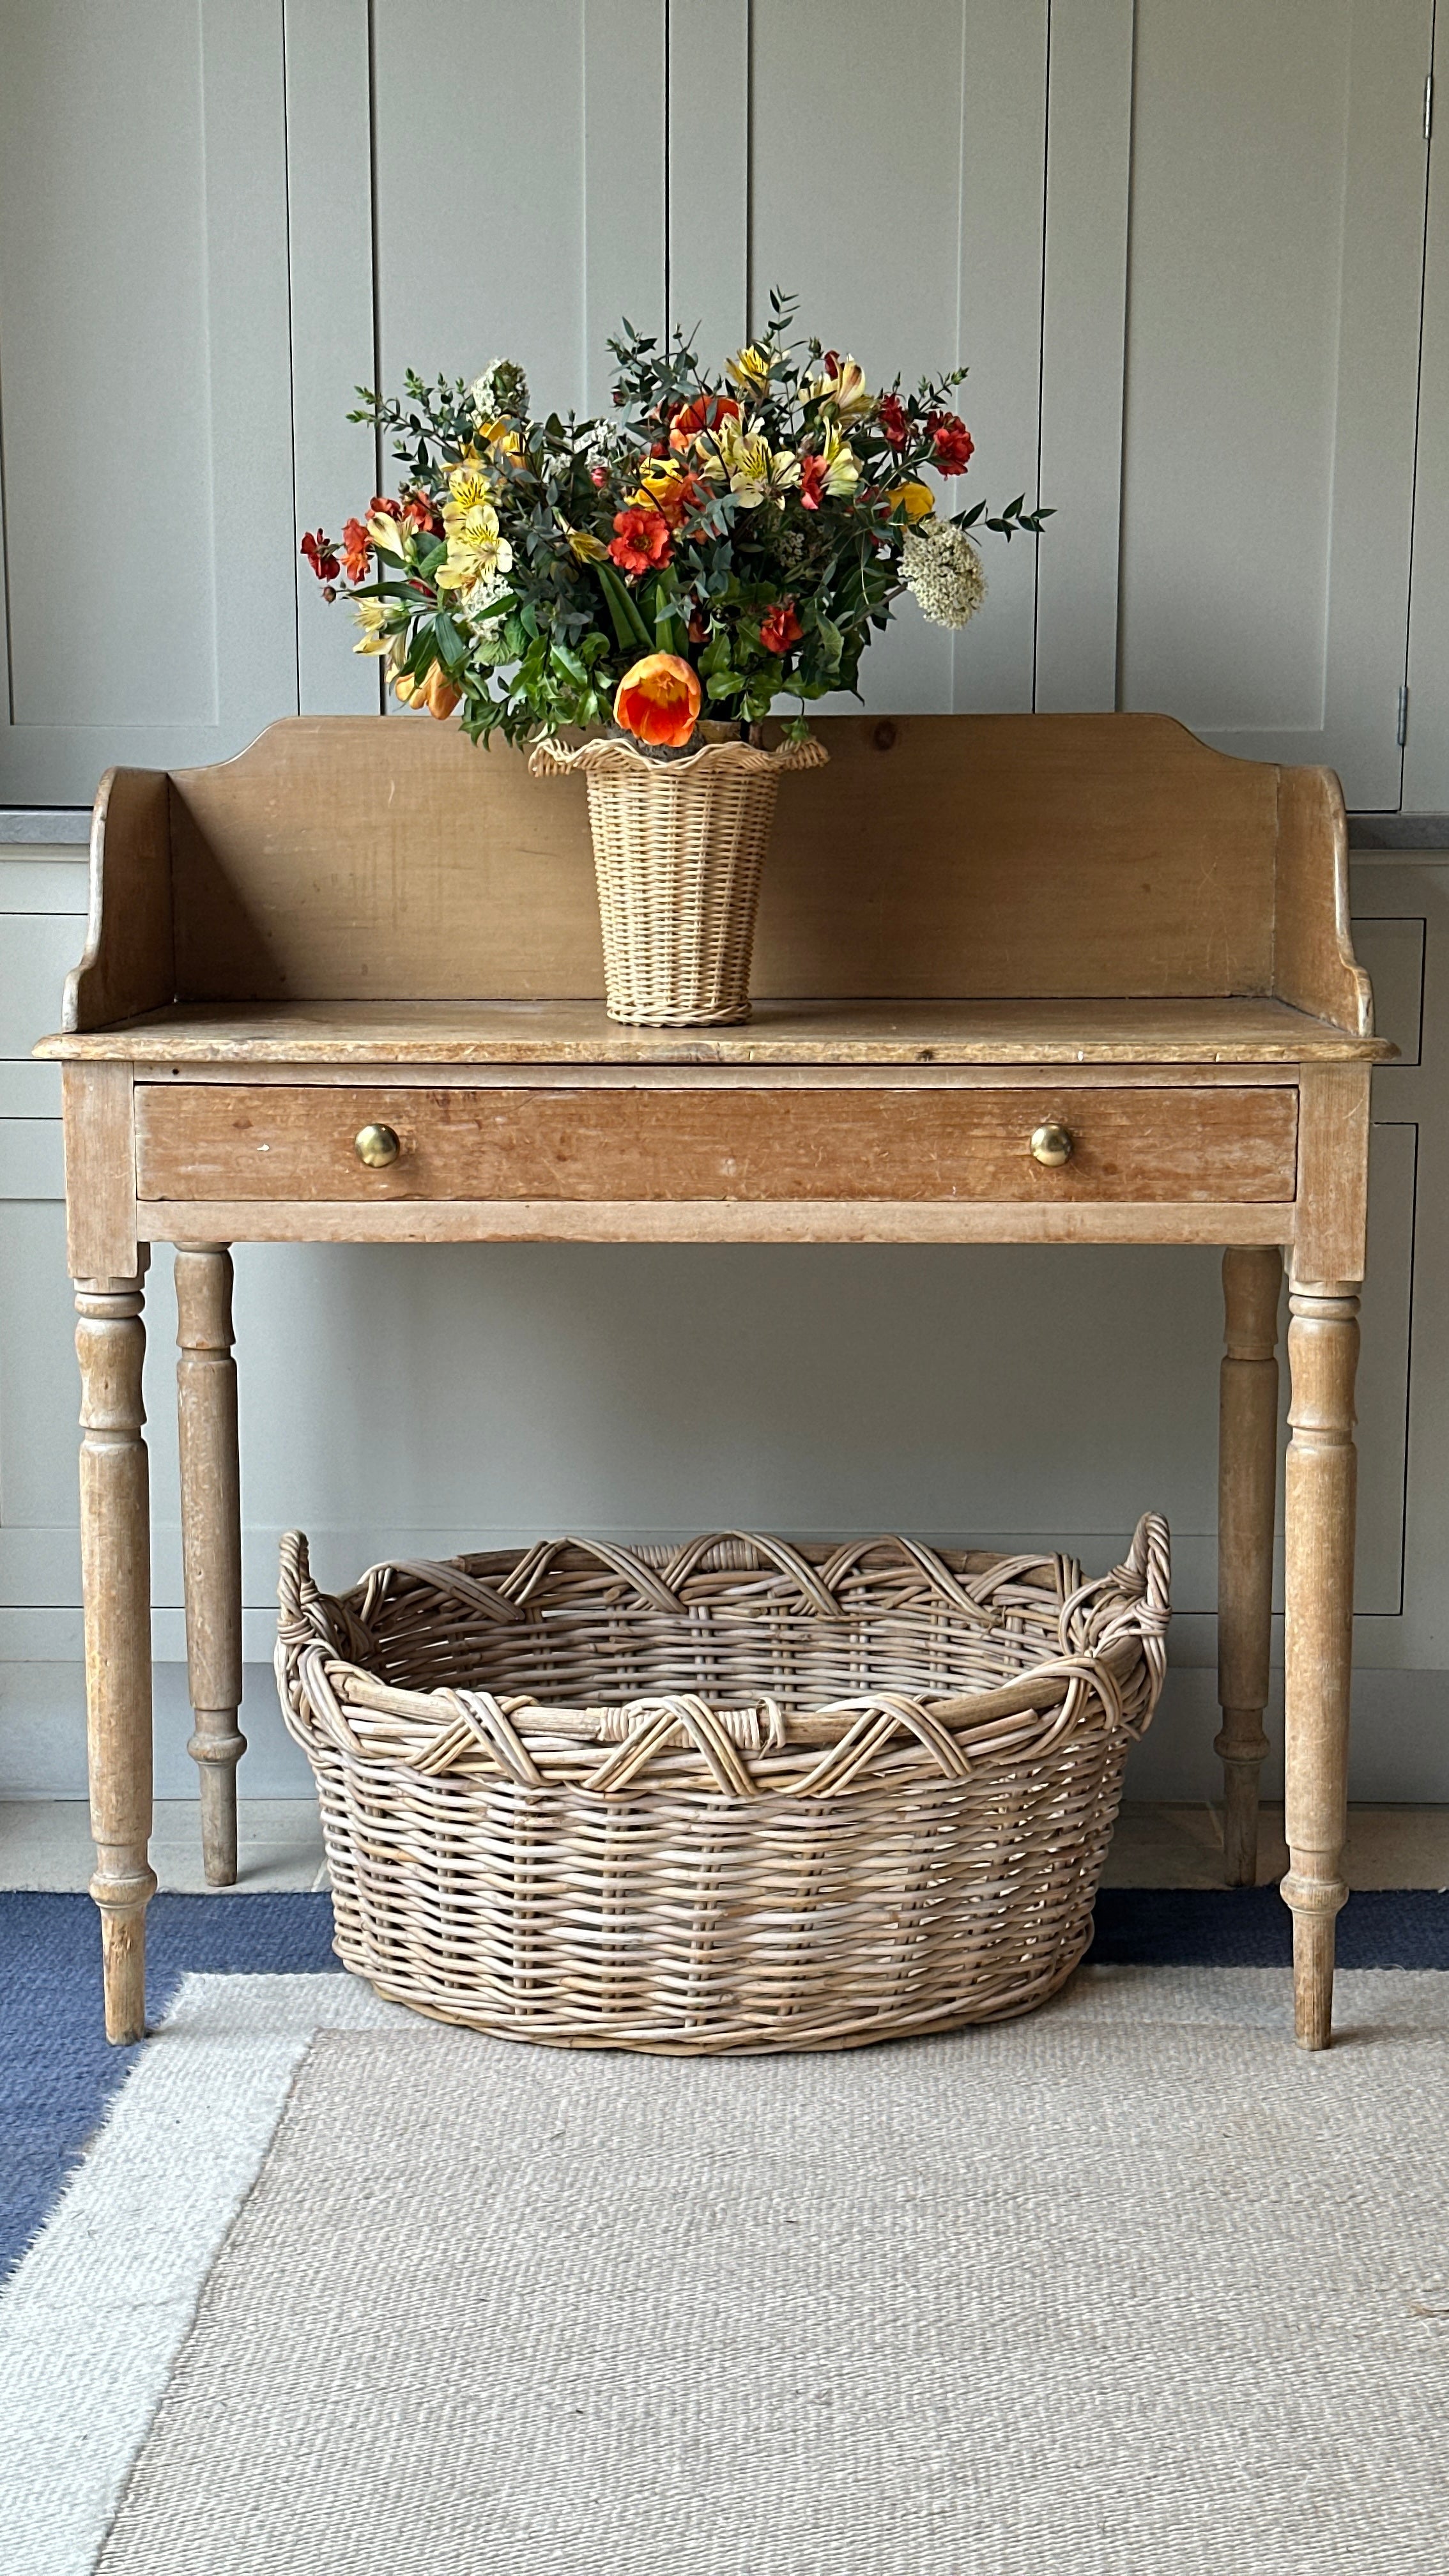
(712, 547)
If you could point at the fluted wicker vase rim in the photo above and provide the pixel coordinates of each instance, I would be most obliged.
(553, 759)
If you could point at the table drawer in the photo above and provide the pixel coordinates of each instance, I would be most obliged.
(215, 1141)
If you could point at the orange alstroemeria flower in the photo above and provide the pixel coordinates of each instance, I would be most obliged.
(706, 412)
(356, 551)
(435, 691)
(658, 700)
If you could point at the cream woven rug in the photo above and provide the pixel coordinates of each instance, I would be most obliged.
(1130, 2288)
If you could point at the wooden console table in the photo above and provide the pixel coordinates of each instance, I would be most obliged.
(1091, 925)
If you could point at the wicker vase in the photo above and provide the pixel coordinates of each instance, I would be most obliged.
(678, 847)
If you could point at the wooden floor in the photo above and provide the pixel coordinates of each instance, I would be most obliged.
(45, 1843)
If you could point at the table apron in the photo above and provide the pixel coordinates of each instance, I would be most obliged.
(711, 1221)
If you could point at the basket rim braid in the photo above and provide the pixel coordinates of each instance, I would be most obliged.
(740, 1793)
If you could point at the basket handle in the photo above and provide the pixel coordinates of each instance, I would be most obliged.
(296, 1590)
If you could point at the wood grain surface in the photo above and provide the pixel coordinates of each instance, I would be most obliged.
(356, 856)
(781, 1032)
(269, 1142)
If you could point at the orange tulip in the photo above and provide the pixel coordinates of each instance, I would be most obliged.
(658, 700)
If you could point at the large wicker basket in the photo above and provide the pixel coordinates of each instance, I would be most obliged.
(738, 1795)
(678, 848)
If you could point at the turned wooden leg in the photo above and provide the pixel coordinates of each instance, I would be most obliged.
(1247, 1483)
(1319, 1529)
(115, 1520)
(211, 1540)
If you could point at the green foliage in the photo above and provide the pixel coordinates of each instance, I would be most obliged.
(751, 525)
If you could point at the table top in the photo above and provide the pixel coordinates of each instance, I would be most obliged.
(575, 1033)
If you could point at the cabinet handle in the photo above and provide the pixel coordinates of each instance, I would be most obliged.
(377, 1145)
(1052, 1143)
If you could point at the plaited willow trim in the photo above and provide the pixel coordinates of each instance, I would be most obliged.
(678, 849)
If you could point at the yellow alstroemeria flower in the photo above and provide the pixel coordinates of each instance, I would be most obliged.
(369, 614)
(754, 471)
(913, 500)
(470, 523)
(501, 433)
(469, 485)
(842, 465)
(475, 549)
(750, 370)
(585, 547)
(659, 481)
(386, 533)
(847, 392)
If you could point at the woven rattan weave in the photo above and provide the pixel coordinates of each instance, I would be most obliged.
(678, 848)
(739, 1795)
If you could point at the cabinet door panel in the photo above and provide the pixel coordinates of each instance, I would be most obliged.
(1276, 252)
(146, 395)
(896, 187)
(551, 227)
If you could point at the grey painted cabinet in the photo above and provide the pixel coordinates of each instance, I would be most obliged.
(145, 386)
(1182, 248)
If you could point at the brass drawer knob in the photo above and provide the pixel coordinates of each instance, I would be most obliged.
(377, 1146)
(1052, 1144)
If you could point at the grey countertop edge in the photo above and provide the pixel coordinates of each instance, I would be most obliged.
(62, 827)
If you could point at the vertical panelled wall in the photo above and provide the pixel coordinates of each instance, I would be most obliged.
(1180, 248)
(145, 387)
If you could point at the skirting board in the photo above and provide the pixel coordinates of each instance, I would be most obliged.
(1400, 1737)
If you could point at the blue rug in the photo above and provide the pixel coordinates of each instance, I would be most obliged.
(57, 2072)
(1251, 1927)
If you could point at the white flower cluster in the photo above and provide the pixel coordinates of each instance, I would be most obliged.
(487, 632)
(502, 388)
(943, 571)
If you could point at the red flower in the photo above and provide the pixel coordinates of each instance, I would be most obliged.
(356, 551)
(891, 413)
(707, 411)
(952, 441)
(642, 543)
(830, 362)
(780, 627)
(319, 554)
(598, 476)
(389, 509)
(812, 481)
